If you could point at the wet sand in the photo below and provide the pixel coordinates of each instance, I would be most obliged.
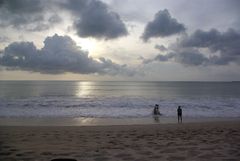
(187, 141)
(88, 121)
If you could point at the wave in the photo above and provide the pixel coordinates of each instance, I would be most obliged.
(118, 107)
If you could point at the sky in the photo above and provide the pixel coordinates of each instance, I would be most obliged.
(121, 40)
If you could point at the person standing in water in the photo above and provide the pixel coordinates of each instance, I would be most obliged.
(156, 110)
(156, 113)
(179, 112)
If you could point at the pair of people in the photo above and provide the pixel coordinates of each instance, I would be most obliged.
(179, 112)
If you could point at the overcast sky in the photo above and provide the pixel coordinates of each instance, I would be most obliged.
(155, 40)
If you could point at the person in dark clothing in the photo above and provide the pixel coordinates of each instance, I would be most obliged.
(179, 112)
(156, 110)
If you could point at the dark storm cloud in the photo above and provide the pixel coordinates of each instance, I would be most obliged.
(20, 12)
(22, 6)
(91, 18)
(27, 15)
(163, 25)
(97, 21)
(60, 54)
(223, 49)
(94, 19)
(225, 43)
(187, 57)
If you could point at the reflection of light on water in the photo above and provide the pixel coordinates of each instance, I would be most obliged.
(84, 89)
(84, 121)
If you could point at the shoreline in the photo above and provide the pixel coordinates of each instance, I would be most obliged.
(87, 121)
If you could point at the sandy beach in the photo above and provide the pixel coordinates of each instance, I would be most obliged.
(187, 141)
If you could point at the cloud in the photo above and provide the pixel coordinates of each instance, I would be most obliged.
(55, 19)
(4, 39)
(91, 18)
(187, 57)
(60, 54)
(163, 25)
(160, 47)
(224, 46)
(94, 19)
(22, 6)
(17, 13)
(204, 48)
(29, 15)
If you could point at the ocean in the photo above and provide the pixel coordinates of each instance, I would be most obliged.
(110, 99)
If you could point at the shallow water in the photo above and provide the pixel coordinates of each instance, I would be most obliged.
(118, 99)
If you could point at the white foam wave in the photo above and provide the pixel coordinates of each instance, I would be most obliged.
(117, 107)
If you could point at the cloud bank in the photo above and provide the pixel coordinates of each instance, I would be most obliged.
(91, 18)
(60, 54)
(204, 48)
(163, 25)
(224, 46)
(29, 15)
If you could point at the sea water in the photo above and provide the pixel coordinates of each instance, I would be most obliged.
(113, 99)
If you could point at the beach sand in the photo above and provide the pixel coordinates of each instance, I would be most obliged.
(187, 141)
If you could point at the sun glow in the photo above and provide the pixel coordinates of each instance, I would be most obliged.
(84, 89)
(87, 44)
